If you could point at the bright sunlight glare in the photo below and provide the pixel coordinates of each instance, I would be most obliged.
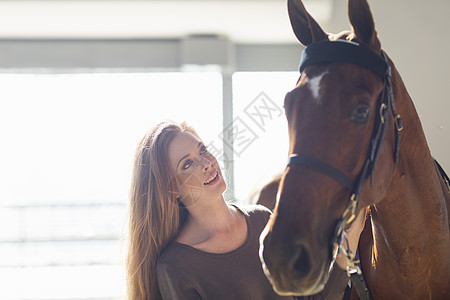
(67, 147)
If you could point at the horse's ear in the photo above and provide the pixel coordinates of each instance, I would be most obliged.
(305, 27)
(363, 24)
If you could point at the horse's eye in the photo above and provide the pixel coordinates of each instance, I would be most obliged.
(360, 113)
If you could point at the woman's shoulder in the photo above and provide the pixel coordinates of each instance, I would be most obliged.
(170, 251)
(253, 210)
(175, 256)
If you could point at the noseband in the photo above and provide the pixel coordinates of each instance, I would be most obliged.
(353, 53)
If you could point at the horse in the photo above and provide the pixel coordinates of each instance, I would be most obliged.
(265, 193)
(356, 143)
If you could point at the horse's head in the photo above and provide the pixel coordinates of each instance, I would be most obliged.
(334, 116)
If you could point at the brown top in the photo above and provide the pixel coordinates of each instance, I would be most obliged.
(188, 273)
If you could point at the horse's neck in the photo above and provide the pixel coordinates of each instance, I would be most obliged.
(415, 188)
(410, 225)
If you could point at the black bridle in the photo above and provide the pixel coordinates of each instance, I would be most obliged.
(354, 53)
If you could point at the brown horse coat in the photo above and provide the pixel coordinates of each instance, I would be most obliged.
(405, 246)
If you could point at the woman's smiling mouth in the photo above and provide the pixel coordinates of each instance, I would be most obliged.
(212, 178)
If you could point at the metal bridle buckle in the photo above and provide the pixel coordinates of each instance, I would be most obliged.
(354, 269)
(398, 123)
(382, 109)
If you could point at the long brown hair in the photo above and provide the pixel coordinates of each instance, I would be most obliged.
(154, 211)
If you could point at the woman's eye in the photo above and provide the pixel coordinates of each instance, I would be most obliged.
(187, 164)
(360, 113)
(203, 150)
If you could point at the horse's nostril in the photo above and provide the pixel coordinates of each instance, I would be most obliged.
(301, 263)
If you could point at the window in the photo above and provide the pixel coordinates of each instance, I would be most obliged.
(67, 147)
(258, 104)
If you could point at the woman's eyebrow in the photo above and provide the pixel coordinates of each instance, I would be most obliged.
(198, 146)
(181, 159)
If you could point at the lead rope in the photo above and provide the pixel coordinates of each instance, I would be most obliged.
(354, 270)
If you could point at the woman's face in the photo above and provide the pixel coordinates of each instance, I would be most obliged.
(196, 171)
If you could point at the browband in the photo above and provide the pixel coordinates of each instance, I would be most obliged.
(343, 51)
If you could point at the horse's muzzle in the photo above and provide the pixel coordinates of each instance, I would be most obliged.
(291, 267)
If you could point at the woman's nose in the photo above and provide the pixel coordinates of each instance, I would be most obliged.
(206, 163)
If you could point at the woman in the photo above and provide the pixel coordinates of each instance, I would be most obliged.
(186, 242)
